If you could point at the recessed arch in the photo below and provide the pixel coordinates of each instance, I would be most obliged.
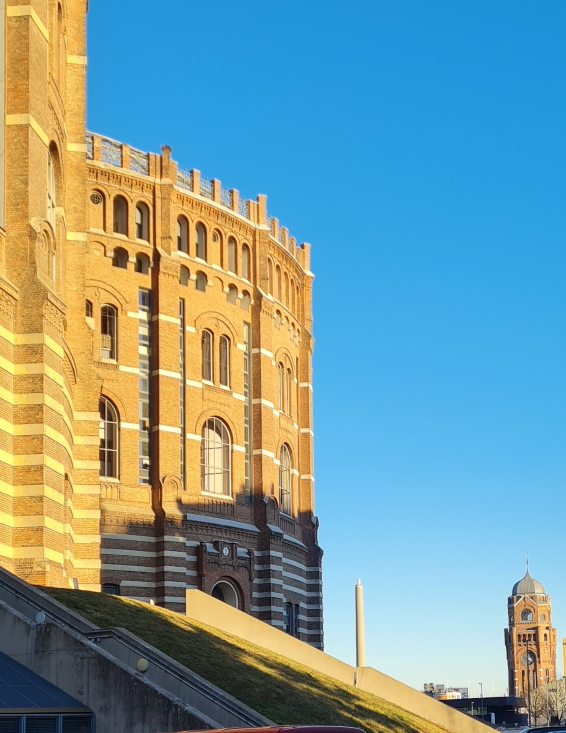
(182, 234)
(226, 592)
(120, 210)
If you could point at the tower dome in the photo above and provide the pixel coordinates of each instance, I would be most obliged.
(528, 586)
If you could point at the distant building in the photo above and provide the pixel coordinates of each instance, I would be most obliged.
(442, 692)
(530, 639)
(505, 711)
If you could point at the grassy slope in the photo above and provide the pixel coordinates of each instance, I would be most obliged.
(283, 691)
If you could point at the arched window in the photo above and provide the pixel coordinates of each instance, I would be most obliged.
(232, 294)
(281, 385)
(120, 215)
(286, 290)
(277, 319)
(207, 364)
(120, 258)
(142, 263)
(543, 617)
(200, 282)
(184, 275)
(108, 330)
(225, 361)
(285, 483)
(270, 277)
(246, 262)
(109, 435)
(546, 637)
(51, 190)
(245, 301)
(526, 615)
(288, 392)
(292, 295)
(216, 456)
(182, 234)
(277, 292)
(231, 254)
(142, 222)
(88, 308)
(225, 592)
(201, 241)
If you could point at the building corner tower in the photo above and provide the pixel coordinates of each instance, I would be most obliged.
(530, 639)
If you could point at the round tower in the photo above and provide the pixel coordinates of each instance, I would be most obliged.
(530, 639)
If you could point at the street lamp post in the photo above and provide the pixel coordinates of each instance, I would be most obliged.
(481, 697)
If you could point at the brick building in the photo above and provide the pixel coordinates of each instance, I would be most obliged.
(530, 640)
(155, 360)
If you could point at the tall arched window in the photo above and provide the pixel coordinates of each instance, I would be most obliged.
(109, 435)
(216, 456)
(270, 277)
(526, 615)
(277, 292)
(207, 363)
(231, 254)
(120, 215)
(281, 385)
(108, 331)
(286, 290)
(292, 295)
(288, 392)
(285, 482)
(245, 301)
(142, 222)
(200, 282)
(201, 241)
(225, 361)
(182, 234)
(51, 190)
(277, 320)
(246, 262)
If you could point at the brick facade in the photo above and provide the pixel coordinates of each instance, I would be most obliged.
(116, 268)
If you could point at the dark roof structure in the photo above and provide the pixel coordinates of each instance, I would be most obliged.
(21, 689)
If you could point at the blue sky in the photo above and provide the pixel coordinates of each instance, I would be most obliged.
(420, 147)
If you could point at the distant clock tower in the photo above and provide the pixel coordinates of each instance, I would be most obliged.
(530, 639)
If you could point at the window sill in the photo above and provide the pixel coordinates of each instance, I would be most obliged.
(109, 479)
(208, 383)
(223, 497)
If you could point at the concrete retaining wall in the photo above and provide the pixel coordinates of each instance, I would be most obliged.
(120, 699)
(202, 607)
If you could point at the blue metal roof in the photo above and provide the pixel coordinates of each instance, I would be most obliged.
(21, 689)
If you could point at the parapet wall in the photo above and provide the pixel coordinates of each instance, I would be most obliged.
(207, 610)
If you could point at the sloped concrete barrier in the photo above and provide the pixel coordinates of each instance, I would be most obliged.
(207, 610)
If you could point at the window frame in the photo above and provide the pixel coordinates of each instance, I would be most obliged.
(201, 242)
(142, 221)
(109, 407)
(224, 360)
(109, 328)
(207, 355)
(222, 449)
(285, 480)
(182, 234)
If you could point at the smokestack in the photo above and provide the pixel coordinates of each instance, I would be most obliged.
(360, 642)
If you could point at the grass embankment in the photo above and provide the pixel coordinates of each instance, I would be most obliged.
(278, 688)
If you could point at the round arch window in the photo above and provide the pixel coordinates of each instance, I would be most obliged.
(526, 615)
(225, 592)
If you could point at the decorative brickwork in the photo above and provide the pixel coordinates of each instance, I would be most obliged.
(155, 361)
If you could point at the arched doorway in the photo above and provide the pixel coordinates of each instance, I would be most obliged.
(225, 592)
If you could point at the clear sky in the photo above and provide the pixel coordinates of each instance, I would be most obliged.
(420, 147)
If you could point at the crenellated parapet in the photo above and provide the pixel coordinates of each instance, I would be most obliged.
(111, 152)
